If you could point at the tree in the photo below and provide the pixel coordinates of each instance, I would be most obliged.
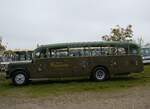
(119, 34)
(2, 47)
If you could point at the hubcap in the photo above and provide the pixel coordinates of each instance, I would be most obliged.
(20, 78)
(100, 74)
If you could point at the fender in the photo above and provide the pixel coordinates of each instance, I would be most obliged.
(17, 69)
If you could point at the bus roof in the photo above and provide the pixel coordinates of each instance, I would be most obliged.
(93, 44)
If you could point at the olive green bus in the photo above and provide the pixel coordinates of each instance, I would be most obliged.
(96, 60)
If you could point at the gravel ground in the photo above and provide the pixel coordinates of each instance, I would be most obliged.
(133, 98)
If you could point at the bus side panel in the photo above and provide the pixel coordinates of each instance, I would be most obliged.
(128, 64)
(138, 64)
(106, 61)
(72, 67)
(125, 64)
(118, 64)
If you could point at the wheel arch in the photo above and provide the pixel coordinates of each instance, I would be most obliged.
(20, 69)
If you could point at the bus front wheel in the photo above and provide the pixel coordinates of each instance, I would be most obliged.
(20, 78)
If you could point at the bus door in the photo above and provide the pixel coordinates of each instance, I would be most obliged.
(42, 65)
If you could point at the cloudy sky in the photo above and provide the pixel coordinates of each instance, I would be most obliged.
(26, 23)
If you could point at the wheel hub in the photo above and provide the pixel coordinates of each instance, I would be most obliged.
(20, 78)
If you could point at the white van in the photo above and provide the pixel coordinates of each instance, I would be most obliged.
(146, 55)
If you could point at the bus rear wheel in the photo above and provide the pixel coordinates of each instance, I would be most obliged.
(100, 74)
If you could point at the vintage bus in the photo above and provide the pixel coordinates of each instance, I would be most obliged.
(96, 60)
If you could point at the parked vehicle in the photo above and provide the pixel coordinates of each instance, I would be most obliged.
(19, 56)
(97, 60)
(146, 55)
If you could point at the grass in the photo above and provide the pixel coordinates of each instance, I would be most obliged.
(46, 88)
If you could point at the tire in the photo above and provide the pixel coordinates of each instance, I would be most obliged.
(100, 74)
(20, 78)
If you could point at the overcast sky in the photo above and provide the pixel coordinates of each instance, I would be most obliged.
(26, 23)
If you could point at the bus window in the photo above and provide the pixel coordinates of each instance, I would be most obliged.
(57, 53)
(48, 53)
(76, 52)
(37, 54)
(43, 53)
(95, 51)
(113, 51)
(40, 53)
(121, 51)
(87, 51)
(53, 53)
(62, 53)
(105, 51)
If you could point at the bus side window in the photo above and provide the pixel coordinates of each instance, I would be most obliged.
(37, 54)
(113, 51)
(53, 53)
(62, 53)
(57, 53)
(48, 53)
(121, 51)
(105, 51)
(76, 52)
(71, 54)
(95, 51)
(87, 51)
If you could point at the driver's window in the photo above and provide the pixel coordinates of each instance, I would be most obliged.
(37, 54)
(41, 54)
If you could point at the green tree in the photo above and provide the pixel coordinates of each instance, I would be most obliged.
(119, 34)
